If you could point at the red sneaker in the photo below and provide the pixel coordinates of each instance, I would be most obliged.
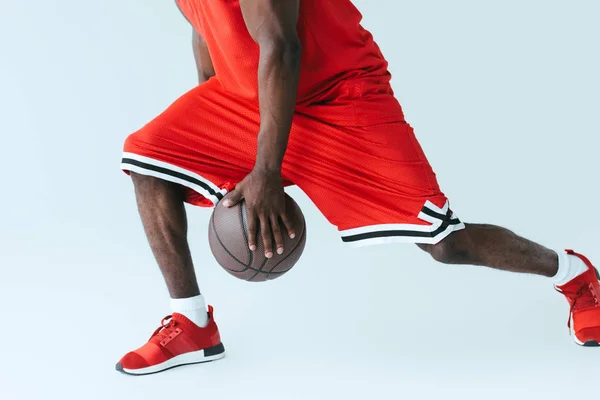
(178, 341)
(583, 294)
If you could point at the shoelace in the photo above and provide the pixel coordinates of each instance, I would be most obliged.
(167, 325)
(585, 296)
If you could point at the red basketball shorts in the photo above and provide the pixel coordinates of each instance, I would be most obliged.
(373, 183)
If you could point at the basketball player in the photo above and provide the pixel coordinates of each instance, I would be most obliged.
(297, 92)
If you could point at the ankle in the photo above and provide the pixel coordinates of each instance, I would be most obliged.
(193, 308)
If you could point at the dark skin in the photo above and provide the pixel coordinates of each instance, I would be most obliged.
(161, 207)
(204, 64)
(161, 204)
(495, 247)
(272, 25)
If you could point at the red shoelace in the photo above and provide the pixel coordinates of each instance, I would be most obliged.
(582, 298)
(166, 328)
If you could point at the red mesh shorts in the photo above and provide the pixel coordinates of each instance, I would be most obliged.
(373, 182)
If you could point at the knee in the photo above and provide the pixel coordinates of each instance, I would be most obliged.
(454, 249)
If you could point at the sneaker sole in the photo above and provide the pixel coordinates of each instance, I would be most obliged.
(591, 344)
(195, 357)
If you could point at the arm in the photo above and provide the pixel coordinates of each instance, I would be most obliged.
(272, 25)
(204, 63)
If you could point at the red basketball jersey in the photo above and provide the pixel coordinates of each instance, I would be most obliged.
(340, 65)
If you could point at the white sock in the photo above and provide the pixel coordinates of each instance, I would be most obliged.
(193, 308)
(569, 268)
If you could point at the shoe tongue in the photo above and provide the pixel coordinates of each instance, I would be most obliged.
(586, 293)
(160, 331)
(158, 336)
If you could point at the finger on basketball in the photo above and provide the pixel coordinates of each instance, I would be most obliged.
(265, 231)
(277, 237)
(252, 227)
(232, 198)
(289, 226)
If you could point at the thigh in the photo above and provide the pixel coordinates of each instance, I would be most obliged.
(374, 183)
(205, 141)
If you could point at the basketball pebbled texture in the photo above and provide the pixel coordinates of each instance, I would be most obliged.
(228, 240)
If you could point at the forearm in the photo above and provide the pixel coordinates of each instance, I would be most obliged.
(204, 64)
(278, 75)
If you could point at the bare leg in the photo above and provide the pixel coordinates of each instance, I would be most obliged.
(162, 210)
(495, 247)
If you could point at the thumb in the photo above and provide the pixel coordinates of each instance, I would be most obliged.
(232, 198)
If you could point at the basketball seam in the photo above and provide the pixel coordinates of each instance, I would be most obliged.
(248, 266)
(244, 228)
(260, 270)
(223, 246)
(244, 231)
(280, 261)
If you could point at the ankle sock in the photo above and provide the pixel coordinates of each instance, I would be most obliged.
(193, 308)
(569, 268)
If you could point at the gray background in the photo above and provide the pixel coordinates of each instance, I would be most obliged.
(504, 97)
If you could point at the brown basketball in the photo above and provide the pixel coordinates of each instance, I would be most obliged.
(228, 239)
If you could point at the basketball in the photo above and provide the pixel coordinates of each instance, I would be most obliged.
(228, 239)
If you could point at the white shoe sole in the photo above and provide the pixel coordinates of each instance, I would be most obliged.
(193, 357)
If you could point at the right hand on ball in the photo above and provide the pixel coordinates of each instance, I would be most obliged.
(265, 207)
